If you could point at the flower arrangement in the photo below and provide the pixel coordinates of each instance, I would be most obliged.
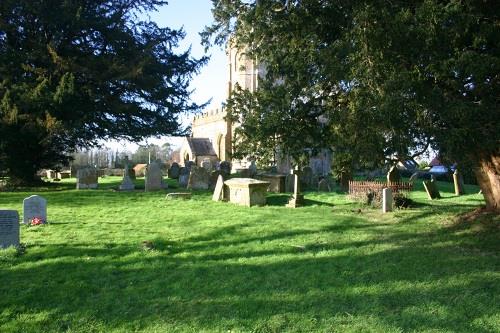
(36, 221)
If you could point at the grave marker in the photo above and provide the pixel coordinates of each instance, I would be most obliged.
(9, 228)
(34, 206)
(219, 189)
(387, 200)
(431, 189)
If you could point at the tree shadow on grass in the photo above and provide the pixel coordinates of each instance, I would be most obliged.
(410, 282)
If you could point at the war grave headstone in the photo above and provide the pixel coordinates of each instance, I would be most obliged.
(458, 182)
(431, 189)
(127, 183)
(324, 185)
(198, 178)
(387, 200)
(393, 176)
(297, 198)
(34, 206)
(219, 189)
(173, 172)
(246, 191)
(154, 177)
(9, 228)
(183, 177)
(86, 178)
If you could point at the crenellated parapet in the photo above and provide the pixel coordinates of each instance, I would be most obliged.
(211, 116)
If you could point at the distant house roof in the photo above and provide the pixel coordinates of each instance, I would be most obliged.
(139, 167)
(408, 165)
(435, 161)
(201, 147)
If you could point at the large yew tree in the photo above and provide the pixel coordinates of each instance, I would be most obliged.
(391, 77)
(74, 72)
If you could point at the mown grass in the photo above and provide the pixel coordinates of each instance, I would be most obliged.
(124, 262)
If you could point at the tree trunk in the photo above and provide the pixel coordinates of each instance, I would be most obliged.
(488, 178)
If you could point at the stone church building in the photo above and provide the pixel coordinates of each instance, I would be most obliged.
(212, 135)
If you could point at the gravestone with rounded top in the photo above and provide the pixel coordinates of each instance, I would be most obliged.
(9, 228)
(306, 177)
(34, 206)
(225, 168)
(183, 176)
(324, 185)
(173, 172)
(154, 177)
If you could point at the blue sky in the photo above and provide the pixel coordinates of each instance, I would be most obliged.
(192, 16)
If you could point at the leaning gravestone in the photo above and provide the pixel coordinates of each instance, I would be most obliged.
(393, 175)
(214, 176)
(34, 206)
(154, 177)
(183, 177)
(86, 178)
(198, 178)
(219, 189)
(9, 228)
(431, 189)
(324, 185)
(173, 172)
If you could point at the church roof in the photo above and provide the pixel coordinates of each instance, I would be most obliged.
(201, 147)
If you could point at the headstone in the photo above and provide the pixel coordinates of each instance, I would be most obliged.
(289, 182)
(225, 168)
(206, 164)
(198, 178)
(243, 173)
(431, 189)
(86, 178)
(414, 177)
(173, 172)
(458, 182)
(276, 181)
(393, 175)
(127, 183)
(252, 169)
(9, 228)
(306, 177)
(219, 189)
(189, 164)
(324, 185)
(154, 177)
(345, 178)
(386, 200)
(297, 198)
(131, 173)
(183, 177)
(214, 176)
(34, 206)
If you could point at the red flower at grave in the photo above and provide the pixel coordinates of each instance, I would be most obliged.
(36, 221)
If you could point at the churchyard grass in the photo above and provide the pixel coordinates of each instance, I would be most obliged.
(113, 261)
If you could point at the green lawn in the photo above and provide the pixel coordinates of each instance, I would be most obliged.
(125, 262)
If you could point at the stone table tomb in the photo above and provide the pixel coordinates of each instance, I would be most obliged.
(246, 191)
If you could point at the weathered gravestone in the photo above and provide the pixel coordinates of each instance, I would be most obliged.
(306, 177)
(393, 175)
(324, 185)
(458, 182)
(198, 178)
(206, 164)
(252, 169)
(289, 182)
(386, 200)
(189, 164)
(173, 172)
(225, 168)
(127, 184)
(183, 177)
(431, 189)
(86, 178)
(9, 228)
(297, 199)
(154, 177)
(344, 179)
(34, 206)
(219, 189)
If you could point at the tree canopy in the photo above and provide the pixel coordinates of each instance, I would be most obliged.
(392, 78)
(73, 72)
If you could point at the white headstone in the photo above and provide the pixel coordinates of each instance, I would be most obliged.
(386, 200)
(9, 228)
(34, 206)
